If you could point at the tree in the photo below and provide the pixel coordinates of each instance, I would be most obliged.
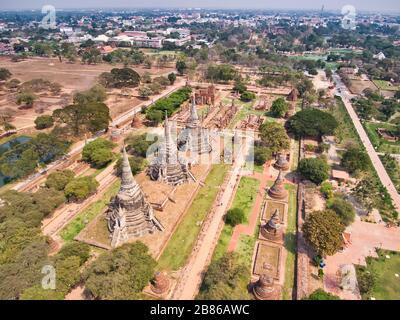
(59, 179)
(279, 107)
(221, 72)
(314, 169)
(6, 115)
(44, 122)
(81, 188)
(235, 216)
(27, 98)
(181, 66)
(247, 96)
(145, 92)
(146, 77)
(312, 122)
(98, 152)
(172, 78)
(5, 74)
(91, 56)
(128, 268)
(261, 155)
(41, 200)
(95, 94)
(239, 87)
(343, 209)
(273, 136)
(323, 231)
(80, 119)
(223, 280)
(320, 294)
(120, 78)
(327, 189)
(355, 160)
(138, 145)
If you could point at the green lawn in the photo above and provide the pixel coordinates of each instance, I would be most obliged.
(290, 243)
(385, 85)
(380, 144)
(345, 132)
(244, 199)
(72, 229)
(387, 285)
(181, 243)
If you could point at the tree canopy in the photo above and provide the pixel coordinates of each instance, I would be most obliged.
(314, 169)
(312, 122)
(279, 107)
(128, 268)
(120, 78)
(320, 294)
(273, 136)
(81, 188)
(323, 231)
(59, 179)
(355, 160)
(344, 209)
(98, 152)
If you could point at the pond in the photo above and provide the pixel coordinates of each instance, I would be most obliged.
(5, 147)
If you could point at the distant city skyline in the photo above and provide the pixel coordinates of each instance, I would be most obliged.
(330, 5)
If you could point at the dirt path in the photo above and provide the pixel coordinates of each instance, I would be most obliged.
(380, 169)
(192, 273)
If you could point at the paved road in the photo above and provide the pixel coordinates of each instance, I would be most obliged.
(192, 274)
(380, 169)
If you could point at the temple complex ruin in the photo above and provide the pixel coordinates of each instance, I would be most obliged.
(278, 191)
(252, 122)
(167, 166)
(206, 95)
(129, 215)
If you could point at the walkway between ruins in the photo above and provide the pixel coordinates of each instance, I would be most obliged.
(249, 228)
(192, 274)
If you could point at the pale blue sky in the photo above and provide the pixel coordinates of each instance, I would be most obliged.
(361, 5)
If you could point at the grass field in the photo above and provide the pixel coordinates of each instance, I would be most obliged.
(380, 144)
(385, 85)
(387, 286)
(244, 199)
(290, 243)
(345, 132)
(181, 243)
(72, 229)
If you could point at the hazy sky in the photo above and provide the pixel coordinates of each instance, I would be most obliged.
(361, 5)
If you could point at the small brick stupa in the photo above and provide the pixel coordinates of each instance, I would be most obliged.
(272, 230)
(281, 163)
(160, 283)
(264, 288)
(277, 191)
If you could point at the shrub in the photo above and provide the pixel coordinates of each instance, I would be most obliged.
(320, 294)
(314, 169)
(58, 180)
(81, 188)
(247, 96)
(235, 216)
(44, 122)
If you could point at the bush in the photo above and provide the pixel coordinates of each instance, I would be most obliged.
(366, 281)
(44, 122)
(262, 155)
(355, 160)
(247, 96)
(81, 188)
(172, 78)
(320, 294)
(314, 169)
(327, 189)
(235, 216)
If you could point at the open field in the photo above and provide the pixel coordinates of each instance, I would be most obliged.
(387, 285)
(357, 86)
(386, 85)
(180, 245)
(380, 144)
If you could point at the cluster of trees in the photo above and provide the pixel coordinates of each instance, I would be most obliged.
(128, 268)
(343, 208)
(156, 85)
(355, 160)
(74, 188)
(67, 263)
(225, 280)
(44, 122)
(127, 57)
(312, 122)
(22, 159)
(24, 249)
(156, 112)
(273, 136)
(120, 78)
(221, 72)
(98, 152)
(393, 169)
